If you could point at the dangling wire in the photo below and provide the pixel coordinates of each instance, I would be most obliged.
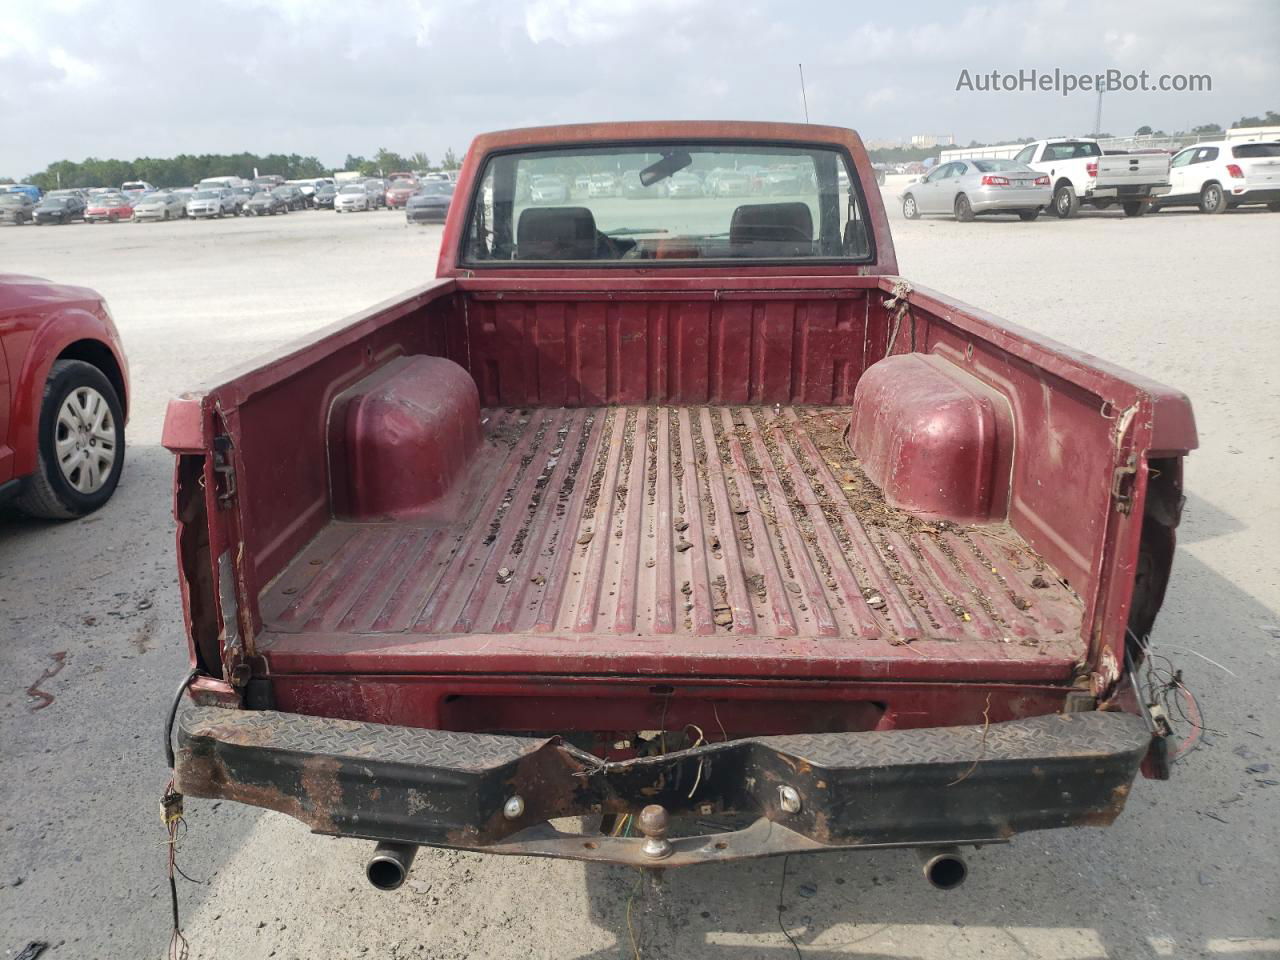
(171, 815)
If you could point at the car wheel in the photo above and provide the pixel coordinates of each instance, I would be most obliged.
(1065, 202)
(1212, 199)
(963, 209)
(114, 218)
(1274, 206)
(1028, 215)
(1136, 208)
(909, 208)
(80, 449)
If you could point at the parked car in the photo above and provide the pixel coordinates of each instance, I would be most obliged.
(59, 210)
(16, 208)
(243, 194)
(307, 188)
(266, 203)
(634, 189)
(352, 197)
(268, 181)
(81, 195)
(728, 183)
(161, 205)
(783, 182)
(399, 191)
(29, 190)
(602, 185)
(548, 189)
(212, 202)
(431, 202)
(1221, 175)
(377, 190)
(291, 195)
(108, 208)
(428, 646)
(324, 196)
(1080, 173)
(64, 398)
(968, 188)
(133, 189)
(684, 185)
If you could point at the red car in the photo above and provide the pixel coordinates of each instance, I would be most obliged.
(399, 192)
(64, 387)
(108, 208)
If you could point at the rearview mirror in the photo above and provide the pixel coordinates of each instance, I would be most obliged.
(670, 164)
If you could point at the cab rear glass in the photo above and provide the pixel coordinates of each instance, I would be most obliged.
(667, 204)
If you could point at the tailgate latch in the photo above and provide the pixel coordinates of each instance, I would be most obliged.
(1122, 483)
(223, 469)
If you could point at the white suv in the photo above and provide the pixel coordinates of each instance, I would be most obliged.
(1215, 176)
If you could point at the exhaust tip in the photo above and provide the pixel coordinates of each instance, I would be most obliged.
(389, 865)
(945, 869)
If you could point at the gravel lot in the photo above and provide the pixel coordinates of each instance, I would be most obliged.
(1190, 870)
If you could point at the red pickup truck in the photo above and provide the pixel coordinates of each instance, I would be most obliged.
(679, 512)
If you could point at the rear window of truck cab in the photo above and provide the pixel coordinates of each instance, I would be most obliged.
(651, 204)
(1070, 150)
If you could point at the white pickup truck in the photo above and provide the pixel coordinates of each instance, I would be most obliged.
(1083, 174)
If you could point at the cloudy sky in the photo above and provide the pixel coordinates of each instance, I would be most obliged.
(126, 78)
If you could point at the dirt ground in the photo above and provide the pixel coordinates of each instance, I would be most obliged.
(1190, 870)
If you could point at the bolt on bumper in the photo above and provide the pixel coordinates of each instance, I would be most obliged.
(831, 791)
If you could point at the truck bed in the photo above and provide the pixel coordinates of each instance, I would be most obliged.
(724, 541)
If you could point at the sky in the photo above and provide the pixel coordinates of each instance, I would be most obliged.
(129, 78)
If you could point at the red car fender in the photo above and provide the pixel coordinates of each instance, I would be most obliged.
(51, 335)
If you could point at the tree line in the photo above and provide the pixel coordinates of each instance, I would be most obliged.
(187, 169)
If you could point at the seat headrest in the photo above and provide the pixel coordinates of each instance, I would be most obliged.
(556, 233)
(772, 229)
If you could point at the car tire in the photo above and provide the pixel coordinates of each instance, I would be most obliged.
(910, 209)
(113, 218)
(963, 209)
(1136, 208)
(1274, 206)
(1026, 216)
(51, 492)
(1212, 198)
(1065, 202)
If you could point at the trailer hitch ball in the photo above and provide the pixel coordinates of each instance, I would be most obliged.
(513, 809)
(654, 822)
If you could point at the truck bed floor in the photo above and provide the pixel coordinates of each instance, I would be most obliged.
(719, 540)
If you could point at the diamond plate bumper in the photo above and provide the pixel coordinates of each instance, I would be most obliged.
(883, 788)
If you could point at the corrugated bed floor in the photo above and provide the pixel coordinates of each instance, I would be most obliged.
(692, 520)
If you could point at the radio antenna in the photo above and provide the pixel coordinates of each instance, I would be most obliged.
(804, 98)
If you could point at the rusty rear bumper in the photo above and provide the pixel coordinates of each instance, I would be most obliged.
(884, 788)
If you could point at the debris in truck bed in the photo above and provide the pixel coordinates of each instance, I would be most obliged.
(734, 520)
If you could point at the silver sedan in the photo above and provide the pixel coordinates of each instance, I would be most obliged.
(161, 205)
(966, 188)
